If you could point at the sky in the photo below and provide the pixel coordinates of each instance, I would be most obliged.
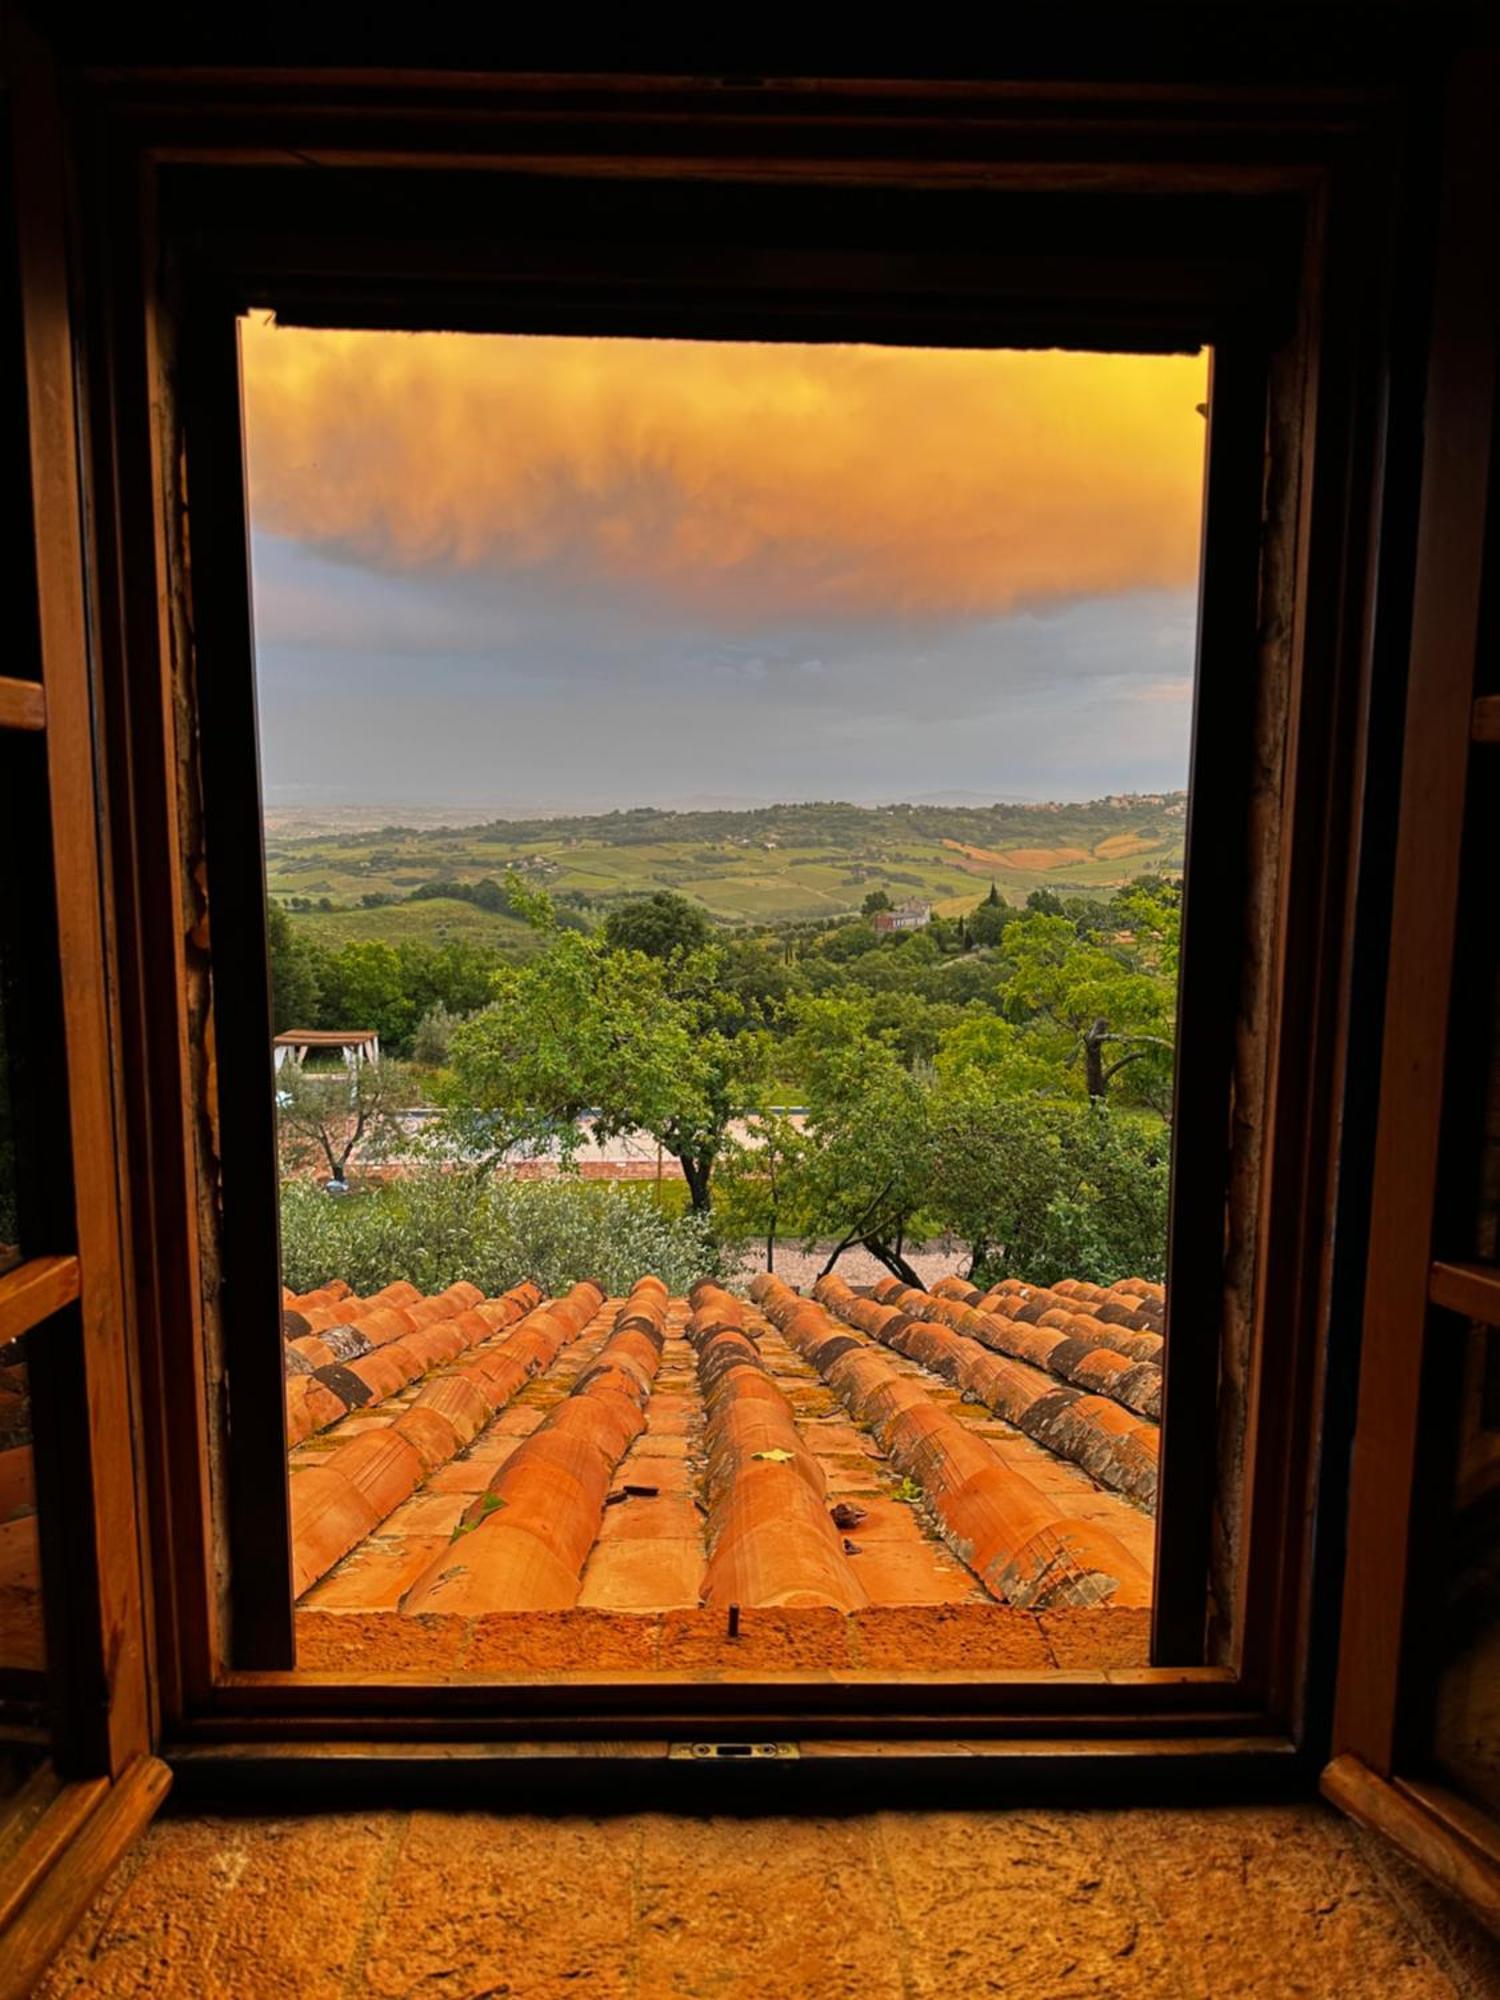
(517, 574)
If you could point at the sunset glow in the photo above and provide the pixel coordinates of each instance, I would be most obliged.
(805, 571)
(841, 479)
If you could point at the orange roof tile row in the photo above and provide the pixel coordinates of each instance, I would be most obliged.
(344, 1498)
(1013, 1536)
(771, 1540)
(1072, 1346)
(1135, 1322)
(337, 1305)
(524, 1541)
(1111, 1443)
(953, 1468)
(383, 1347)
(324, 1295)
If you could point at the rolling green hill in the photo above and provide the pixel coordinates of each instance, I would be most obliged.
(774, 865)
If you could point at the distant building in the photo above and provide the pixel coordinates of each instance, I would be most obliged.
(907, 917)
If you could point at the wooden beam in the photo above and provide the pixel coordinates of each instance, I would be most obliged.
(43, 1921)
(1448, 588)
(96, 1609)
(1470, 1289)
(41, 1821)
(33, 1291)
(22, 704)
(1431, 1844)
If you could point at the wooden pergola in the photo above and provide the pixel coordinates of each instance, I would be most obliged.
(357, 1045)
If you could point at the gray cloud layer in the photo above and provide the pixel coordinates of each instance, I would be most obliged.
(543, 692)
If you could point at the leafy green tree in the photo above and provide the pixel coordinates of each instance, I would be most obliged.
(864, 1169)
(986, 924)
(455, 975)
(996, 1161)
(631, 1041)
(326, 1119)
(913, 1025)
(1042, 1189)
(875, 901)
(661, 925)
(577, 1030)
(364, 985)
(999, 1054)
(757, 981)
(1106, 1006)
(296, 988)
(433, 1042)
(1106, 1217)
(845, 941)
(757, 1179)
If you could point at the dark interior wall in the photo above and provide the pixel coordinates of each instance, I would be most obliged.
(1162, 44)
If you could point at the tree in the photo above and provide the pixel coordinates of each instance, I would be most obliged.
(756, 1175)
(1107, 1005)
(633, 1041)
(875, 901)
(996, 1164)
(455, 975)
(325, 1118)
(296, 994)
(1043, 1189)
(986, 924)
(863, 1171)
(999, 1053)
(661, 925)
(578, 1029)
(365, 985)
(433, 1041)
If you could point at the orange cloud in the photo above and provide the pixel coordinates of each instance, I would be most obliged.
(813, 480)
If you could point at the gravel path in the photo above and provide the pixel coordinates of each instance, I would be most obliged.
(799, 1267)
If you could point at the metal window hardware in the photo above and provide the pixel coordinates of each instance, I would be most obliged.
(703, 1753)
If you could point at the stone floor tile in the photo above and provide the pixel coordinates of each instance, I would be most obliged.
(1037, 1904)
(762, 1909)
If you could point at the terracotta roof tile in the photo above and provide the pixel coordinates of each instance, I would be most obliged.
(1022, 1547)
(665, 1459)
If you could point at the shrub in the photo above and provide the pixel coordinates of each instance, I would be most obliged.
(434, 1228)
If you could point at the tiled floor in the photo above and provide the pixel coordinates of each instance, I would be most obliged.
(1190, 1904)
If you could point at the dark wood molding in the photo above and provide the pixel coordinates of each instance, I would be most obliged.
(205, 400)
(1486, 719)
(22, 704)
(1210, 998)
(1470, 1289)
(34, 1291)
(1370, 1715)
(62, 1868)
(1428, 1837)
(40, 1821)
(234, 214)
(96, 1635)
(822, 1773)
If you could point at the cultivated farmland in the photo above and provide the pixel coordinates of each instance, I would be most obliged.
(775, 865)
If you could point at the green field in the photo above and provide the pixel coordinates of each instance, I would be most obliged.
(776, 865)
(434, 921)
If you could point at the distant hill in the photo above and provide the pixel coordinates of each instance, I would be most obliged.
(764, 865)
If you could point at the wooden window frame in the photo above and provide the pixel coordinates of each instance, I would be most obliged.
(99, 1782)
(1294, 611)
(1424, 1288)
